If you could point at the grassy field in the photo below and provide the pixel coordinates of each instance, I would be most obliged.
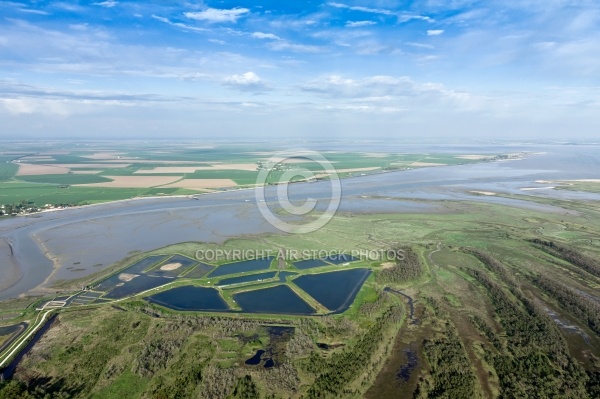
(64, 163)
(485, 322)
(14, 192)
(591, 187)
(7, 170)
(66, 179)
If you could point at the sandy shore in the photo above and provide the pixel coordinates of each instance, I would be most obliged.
(483, 192)
(537, 188)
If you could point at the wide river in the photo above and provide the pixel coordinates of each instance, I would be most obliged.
(39, 249)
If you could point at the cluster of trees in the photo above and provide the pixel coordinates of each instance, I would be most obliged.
(483, 327)
(245, 389)
(155, 353)
(282, 378)
(568, 254)
(24, 207)
(335, 374)
(13, 209)
(495, 266)
(533, 360)
(585, 309)
(299, 345)
(405, 269)
(450, 375)
(14, 389)
(370, 309)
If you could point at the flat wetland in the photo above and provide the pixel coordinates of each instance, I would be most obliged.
(156, 320)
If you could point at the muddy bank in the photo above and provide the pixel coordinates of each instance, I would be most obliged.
(10, 271)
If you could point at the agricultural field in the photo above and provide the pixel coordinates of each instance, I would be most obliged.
(487, 301)
(7, 170)
(69, 173)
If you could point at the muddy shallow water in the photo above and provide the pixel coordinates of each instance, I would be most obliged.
(74, 243)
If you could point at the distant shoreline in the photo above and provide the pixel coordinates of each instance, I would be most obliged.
(230, 189)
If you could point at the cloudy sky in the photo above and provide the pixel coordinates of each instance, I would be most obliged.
(318, 69)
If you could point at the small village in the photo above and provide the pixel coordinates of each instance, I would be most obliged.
(27, 207)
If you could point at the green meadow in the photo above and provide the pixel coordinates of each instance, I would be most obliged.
(105, 163)
(477, 280)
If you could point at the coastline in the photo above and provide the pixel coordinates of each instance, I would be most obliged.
(517, 157)
(43, 287)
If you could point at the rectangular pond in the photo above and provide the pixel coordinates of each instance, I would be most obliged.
(135, 269)
(189, 297)
(199, 271)
(144, 264)
(173, 267)
(309, 264)
(334, 290)
(243, 266)
(84, 298)
(280, 299)
(340, 258)
(246, 279)
(136, 285)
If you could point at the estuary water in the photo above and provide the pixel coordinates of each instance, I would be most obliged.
(40, 249)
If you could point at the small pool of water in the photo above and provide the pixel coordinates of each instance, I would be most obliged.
(334, 290)
(173, 267)
(246, 279)
(199, 271)
(278, 299)
(284, 275)
(190, 297)
(243, 266)
(137, 268)
(309, 264)
(255, 360)
(340, 258)
(138, 284)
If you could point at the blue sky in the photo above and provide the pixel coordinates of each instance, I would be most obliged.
(291, 69)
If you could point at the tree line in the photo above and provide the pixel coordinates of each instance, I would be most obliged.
(405, 269)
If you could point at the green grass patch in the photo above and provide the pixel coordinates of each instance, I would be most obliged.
(127, 385)
(7, 170)
(69, 178)
(453, 300)
(41, 194)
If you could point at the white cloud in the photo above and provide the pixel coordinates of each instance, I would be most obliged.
(402, 16)
(249, 82)
(398, 89)
(217, 15)
(106, 4)
(358, 24)
(69, 6)
(435, 32)
(363, 9)
(261, 35)
(410, 17)
(335, 86)
(282, 45)
(31, 11)
(178, 24)
(17, 106)
(420, 45)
